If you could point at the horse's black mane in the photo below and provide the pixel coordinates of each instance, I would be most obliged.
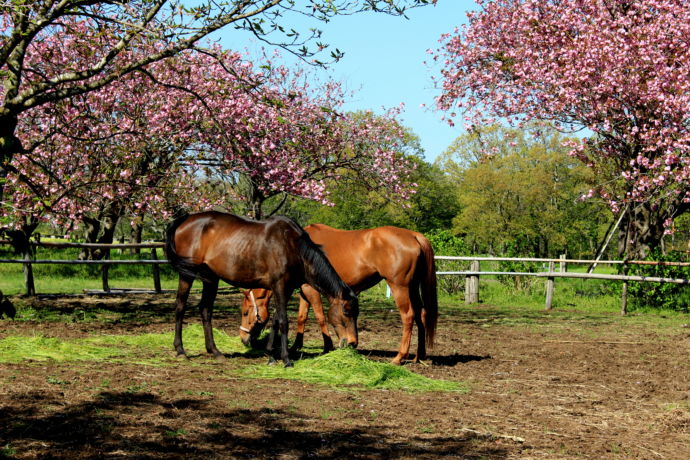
(319, 271)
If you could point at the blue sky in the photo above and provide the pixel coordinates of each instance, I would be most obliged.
(384, 64)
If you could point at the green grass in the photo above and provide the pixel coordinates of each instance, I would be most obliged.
(143, 348)
(14, 349)
(344, 367)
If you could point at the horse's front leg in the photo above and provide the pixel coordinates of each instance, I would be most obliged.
(312, 297)
(183, 288)
(302, 315)
(271, 338)
(281, 322)
(208, 296)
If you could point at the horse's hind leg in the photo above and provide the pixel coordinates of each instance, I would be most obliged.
(208, 296)
(281, 315)
(420, 320)
(183, 288)
(407, 315)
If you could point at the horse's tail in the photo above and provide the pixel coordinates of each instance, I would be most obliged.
(428, 285)
(179, 264)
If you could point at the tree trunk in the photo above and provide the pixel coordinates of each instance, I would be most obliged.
(255, 201)
(135, 236)
(10, 145)
(91, 229)
(642, 228)
(104, 225)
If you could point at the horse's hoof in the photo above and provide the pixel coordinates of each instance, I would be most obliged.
(288, 363)
(182, 356)
(220, 357)
(271, 361)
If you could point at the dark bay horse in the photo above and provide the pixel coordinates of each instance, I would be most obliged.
(362, 258)
(275, 254)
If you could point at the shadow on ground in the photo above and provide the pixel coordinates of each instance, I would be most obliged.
(142, 425)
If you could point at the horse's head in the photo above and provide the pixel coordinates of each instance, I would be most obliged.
(254, 315)
(342, 315)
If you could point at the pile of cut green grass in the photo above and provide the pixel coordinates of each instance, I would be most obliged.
(346, 367)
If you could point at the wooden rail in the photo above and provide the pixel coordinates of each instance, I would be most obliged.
(471, 276)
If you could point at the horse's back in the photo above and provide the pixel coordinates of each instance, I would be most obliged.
(202, 231)
(365, 256)
(396, 250)
(240, 251)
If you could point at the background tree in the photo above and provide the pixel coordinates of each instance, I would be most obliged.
(297, 142)
(361, 204)
(520, 189)
(618, 68)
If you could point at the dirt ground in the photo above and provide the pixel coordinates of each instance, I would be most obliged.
(540, 387)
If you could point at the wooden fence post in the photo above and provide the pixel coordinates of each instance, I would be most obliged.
(29, 274)
(549, 287)
(104, 273)
(156, 272)
(624, 293)
(561, 265)
(472, 284)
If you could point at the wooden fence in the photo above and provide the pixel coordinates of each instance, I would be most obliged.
(28, 262)
(472, 276)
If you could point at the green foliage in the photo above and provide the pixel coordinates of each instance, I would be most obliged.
(445, 243)
(668, 296)
(519, 283)
(357, 205)
(521, 185)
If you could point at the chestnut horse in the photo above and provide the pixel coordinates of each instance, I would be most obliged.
(275, 254)
(362, 258)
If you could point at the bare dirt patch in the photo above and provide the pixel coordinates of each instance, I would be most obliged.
(549, 387)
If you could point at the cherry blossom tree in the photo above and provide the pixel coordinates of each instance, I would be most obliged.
(620, 69)
(116, 38)
(163, 138)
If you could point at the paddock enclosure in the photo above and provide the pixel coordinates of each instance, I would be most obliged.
(558, 385)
